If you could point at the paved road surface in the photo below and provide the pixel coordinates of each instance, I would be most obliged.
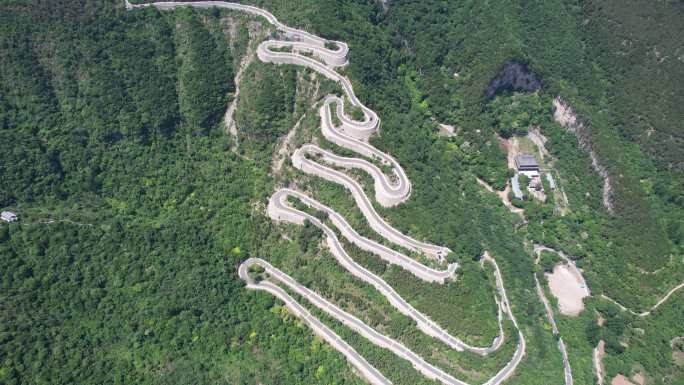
(278, 208)
(366, 369)
(567, 370)
(389, 190)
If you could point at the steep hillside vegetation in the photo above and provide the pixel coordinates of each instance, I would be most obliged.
(399, 62)
(135, 211)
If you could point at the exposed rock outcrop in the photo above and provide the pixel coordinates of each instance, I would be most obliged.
(567, 118)
(514, 76)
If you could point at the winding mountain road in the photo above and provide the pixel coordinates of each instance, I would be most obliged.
(357, 325)
(389, 191)
(320, 329)
(567, 369)
(278, 209)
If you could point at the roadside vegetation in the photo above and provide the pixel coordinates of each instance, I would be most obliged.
(113, 118)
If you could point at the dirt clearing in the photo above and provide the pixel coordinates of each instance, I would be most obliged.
(621, 380)
(568, 287)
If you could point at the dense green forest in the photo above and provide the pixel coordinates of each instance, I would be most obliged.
(135, 211)
(109, 129)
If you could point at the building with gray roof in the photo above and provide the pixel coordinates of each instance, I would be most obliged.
(526, 162)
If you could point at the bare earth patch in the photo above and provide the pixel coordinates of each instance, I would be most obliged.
(283, 148)
(511, 148)
(639, 379)
(446, 130)
(540, 141)
(621, 380)
(568, 287)
(677, 353)
(678, 358)
(599, 352)
(255, 32)
(599, 319)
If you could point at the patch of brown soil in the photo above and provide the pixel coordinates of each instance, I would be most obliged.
(446, 130)
(639, 379)
(678, 358)
(600, 320)
(568, 288)
(621, 380)
(599, 352)
(283, 149)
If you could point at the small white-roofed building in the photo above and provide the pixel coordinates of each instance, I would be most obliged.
(515, 185)
(552, 182)
(8, 216)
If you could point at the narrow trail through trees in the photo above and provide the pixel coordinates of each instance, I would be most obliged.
(654, 307)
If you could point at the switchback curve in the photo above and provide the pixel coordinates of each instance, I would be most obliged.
(351, 134)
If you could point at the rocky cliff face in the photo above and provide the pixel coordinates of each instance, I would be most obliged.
(514, 76)
(568, 119)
